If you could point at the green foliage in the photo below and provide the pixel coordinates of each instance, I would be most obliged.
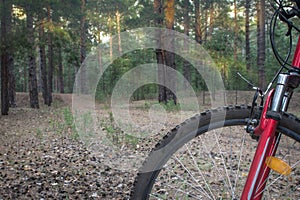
(119, 67)
(218, 35)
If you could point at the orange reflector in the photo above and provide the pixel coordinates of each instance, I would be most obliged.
(278, 165)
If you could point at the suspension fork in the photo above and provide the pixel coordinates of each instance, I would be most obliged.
(267, 146)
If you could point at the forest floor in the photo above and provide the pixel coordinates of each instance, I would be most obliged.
(43, 157)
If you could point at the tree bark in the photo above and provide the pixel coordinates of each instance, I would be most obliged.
(11, 74)
(11, 82)
(186, 65)
(25, 77)
(261, 43)
(82, 32)
(109, 23)
(235, 32)
(4, 61)
(60, 71)
(247, 29)
(211, 20)
(206, 25)
(32, 78)
(43, 64)
(50, 58)
(118, 15)
(170, 56)
(83, 81)
(158, 11)
(198, 30)
(199, 37)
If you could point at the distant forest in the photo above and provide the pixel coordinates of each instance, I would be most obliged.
(43, 43)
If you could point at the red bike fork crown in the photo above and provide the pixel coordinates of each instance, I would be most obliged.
(267, 146)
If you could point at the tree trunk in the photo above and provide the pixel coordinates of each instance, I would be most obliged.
(32, 78)
(235, 32)
(170, 56)
(109, 23)
(118, 15)
(158, 10)
(55, 81)
(83, 81)
(4, 60)
(261, 44)
(11, 73)
(186, 65)
(43, 64)
(198, 31)
(199, 38)
(211, 20)
(25, 77)
(50, 59)
(11, 82)
(82, 32)
(206, 25)
(60, 72)
(247, 29)
(101, 68)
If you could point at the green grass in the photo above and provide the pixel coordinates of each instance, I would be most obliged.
(64, 123)
(39, 134)
(168, 106)
(116, 135)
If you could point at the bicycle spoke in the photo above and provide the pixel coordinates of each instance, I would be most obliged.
(184, 182)
(240, 159)
(214, 163)
(224, 165)
(187, 194)
(190, 173)
(200, 171)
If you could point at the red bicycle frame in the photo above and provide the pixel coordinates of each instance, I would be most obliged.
(296, 61)
(267, 146)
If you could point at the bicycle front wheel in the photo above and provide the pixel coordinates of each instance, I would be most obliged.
(210, 159)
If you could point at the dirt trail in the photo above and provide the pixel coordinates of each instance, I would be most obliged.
(41, 158)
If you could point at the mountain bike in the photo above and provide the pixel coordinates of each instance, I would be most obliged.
(234, 152)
